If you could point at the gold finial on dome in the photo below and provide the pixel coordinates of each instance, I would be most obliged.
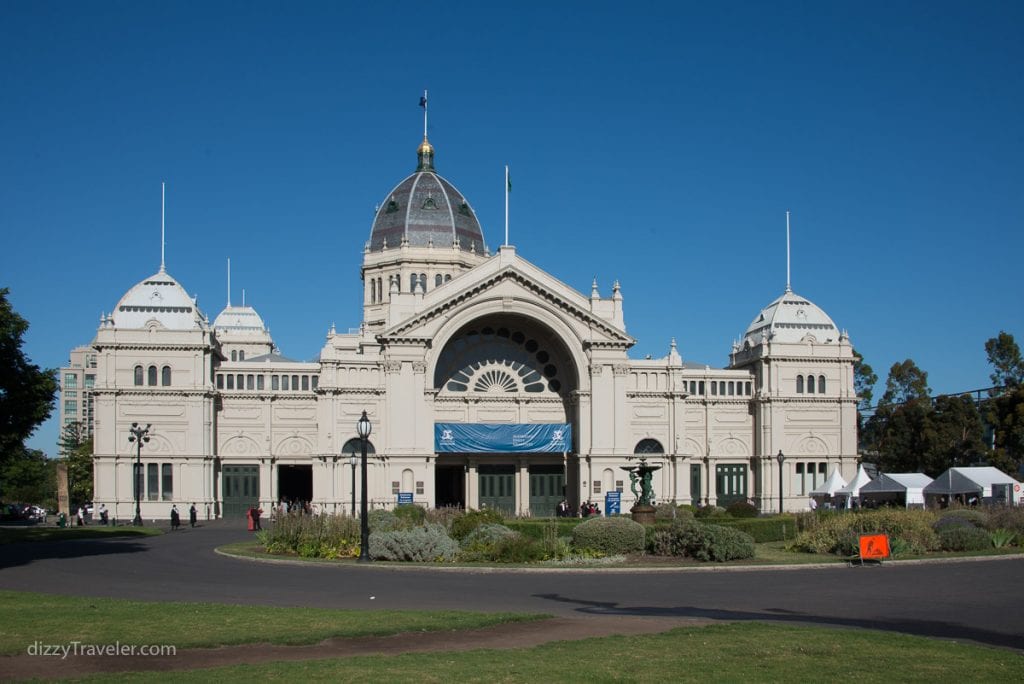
(425, 152)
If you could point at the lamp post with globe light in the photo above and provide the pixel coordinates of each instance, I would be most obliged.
(363, 428)
(781, 459)
(139, 435)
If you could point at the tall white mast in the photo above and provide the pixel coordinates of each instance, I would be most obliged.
(788, 289)
(162, 240)
(506, 205)
(424, 113)
(229, 281)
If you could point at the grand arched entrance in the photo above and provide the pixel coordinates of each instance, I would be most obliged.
(504, 416)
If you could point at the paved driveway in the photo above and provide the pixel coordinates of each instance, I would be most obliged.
(979, 601)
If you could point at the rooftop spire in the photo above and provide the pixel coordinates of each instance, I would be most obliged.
(162, 240)
(788, 288)
(425, 152)
(229, 282)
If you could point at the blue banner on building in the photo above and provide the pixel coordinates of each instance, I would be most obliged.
(502, 438)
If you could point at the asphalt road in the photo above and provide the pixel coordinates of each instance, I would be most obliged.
(978, 601)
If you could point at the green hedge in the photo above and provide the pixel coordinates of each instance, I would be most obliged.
(776, 528)
(534, 529)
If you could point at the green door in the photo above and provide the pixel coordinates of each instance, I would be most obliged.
(498, 488)
(696, 487)
(730, 484)
(240, 489)
(546, 490)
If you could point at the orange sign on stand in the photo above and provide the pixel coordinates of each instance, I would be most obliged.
(874, 546)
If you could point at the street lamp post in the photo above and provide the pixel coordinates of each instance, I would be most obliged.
(363, 428)
(352, 461)
(139, 435)
(781, 459)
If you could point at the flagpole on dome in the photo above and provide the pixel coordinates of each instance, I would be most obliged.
(508, 188)
(423, 103)
(162, 239)
(788, 288)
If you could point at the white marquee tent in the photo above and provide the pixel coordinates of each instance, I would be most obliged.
(905, 487)
(827, 490)
(986, 483)
(852, 490)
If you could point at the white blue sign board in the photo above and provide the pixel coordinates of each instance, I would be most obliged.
(612, 503)
(404, 498)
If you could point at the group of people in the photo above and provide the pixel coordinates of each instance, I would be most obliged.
(193, 514)
(294, 506)
(587, 509)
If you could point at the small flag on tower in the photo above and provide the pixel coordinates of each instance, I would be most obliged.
(423, 101)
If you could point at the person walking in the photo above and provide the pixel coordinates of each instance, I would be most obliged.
(256, 513)
(103, 514)
(192, 515)
(175, 518)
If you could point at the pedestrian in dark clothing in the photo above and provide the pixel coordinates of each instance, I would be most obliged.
(175, 518)
(192, 516)
(256, 513)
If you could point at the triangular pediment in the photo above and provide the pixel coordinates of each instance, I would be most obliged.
(520, 286)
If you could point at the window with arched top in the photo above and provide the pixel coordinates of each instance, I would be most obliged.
(412, 282)
(234, 355)
(447, 277)
(165, 376)
(423, 281)
(138, 376)
(649, 446)
(799, 384)
(438, 279)
(151, 376)
(353, 447)
(821, 384)
(810, 384)
(241, 355)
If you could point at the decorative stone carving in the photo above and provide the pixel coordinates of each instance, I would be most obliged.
(392, 366)
(419, 367)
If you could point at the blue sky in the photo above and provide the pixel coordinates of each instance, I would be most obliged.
(655, 143)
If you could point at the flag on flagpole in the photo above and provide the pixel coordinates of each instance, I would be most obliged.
(423, 101)
(508, 180)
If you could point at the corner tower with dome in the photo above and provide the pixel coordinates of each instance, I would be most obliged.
(489, 383)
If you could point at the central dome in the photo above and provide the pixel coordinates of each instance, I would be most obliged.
(791, 318)
(426, 210)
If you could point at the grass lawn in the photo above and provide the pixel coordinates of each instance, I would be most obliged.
(744, 652)
(27, 617)
(10, 535)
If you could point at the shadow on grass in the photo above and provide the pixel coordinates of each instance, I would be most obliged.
(927, 628)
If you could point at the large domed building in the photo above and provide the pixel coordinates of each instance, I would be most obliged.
(488, 382)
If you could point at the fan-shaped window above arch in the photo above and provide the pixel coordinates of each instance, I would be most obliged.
(649, 446)
(354, 447)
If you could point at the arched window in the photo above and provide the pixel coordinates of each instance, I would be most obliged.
(649, 446)
(380, 289)
(231, 381)
(799, 384)
(138, 376)
(151, 376)
(241, 355)
(732, 388)
(165, 376)
(234, 355)
(250, 382)
(447, 277)
(373, 291)
(821, 384)
(810, 384)
(412, 282)
(438, 279)
(423, 281)
(353, 447)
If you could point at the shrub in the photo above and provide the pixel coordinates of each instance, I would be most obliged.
(487, 534)
(949, 521)
(702, 542)
(468, 522)
(1007, 517)
(518, 549)
(675, 539)
(710, 512)
(409, 514)
(836, 534)
(380, 520)
(313, 536)
(775, 528)
(667, 511)
(968, 515)
(1002, 537)
(609, 535)
(538, 529)
(964, 538)
(427, 543)
(727, 544)
(443, 516)
(742, 509)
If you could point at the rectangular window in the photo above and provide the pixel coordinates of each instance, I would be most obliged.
(70, 381)
(220, 381)
(90, 381)
(70, 407)
(241, 381)
(730, 484)
(250, 381)
(72, 393)
(284, 383)
(747, 389)
(597, 486)
(316, 381)
(700, 388)
(231, 381)
(419, 486)
(714, 389)
(167, 481)
(732, 388)
(90, 360)
(275, 382)
(305, 383)
(395, 487)
(295, 383)
(152, 482)
(259, 382)
(618, 485)
(801, 486)
(696, 487)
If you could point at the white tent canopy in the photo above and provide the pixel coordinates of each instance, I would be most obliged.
(852, 490)
(909, 486)
(984, 482)
(834, 483)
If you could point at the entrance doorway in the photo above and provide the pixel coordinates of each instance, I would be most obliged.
(450, 486)
(295, 483)
(547, 488)
(240, 489)
(498, 487)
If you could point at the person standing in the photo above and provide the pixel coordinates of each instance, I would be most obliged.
(103, 514)
(175, 518)
(192, 515)
(256, 513)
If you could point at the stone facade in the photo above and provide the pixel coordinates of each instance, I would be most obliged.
(451, 333)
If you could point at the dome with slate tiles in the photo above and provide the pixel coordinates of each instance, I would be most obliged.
(426, 210)
(158, 298)
(239, 319)
(791, 319)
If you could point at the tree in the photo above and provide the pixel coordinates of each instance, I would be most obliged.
(76, 449)
(953, 435)
(1007, 364)
(864, 380)
(1005, 414)
(897, 432)
(29, 477)
(906, 383)
(26, 391)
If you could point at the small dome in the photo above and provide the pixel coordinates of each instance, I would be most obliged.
(161, 298)
(791, 319)
(425, 209)
(239, 319)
